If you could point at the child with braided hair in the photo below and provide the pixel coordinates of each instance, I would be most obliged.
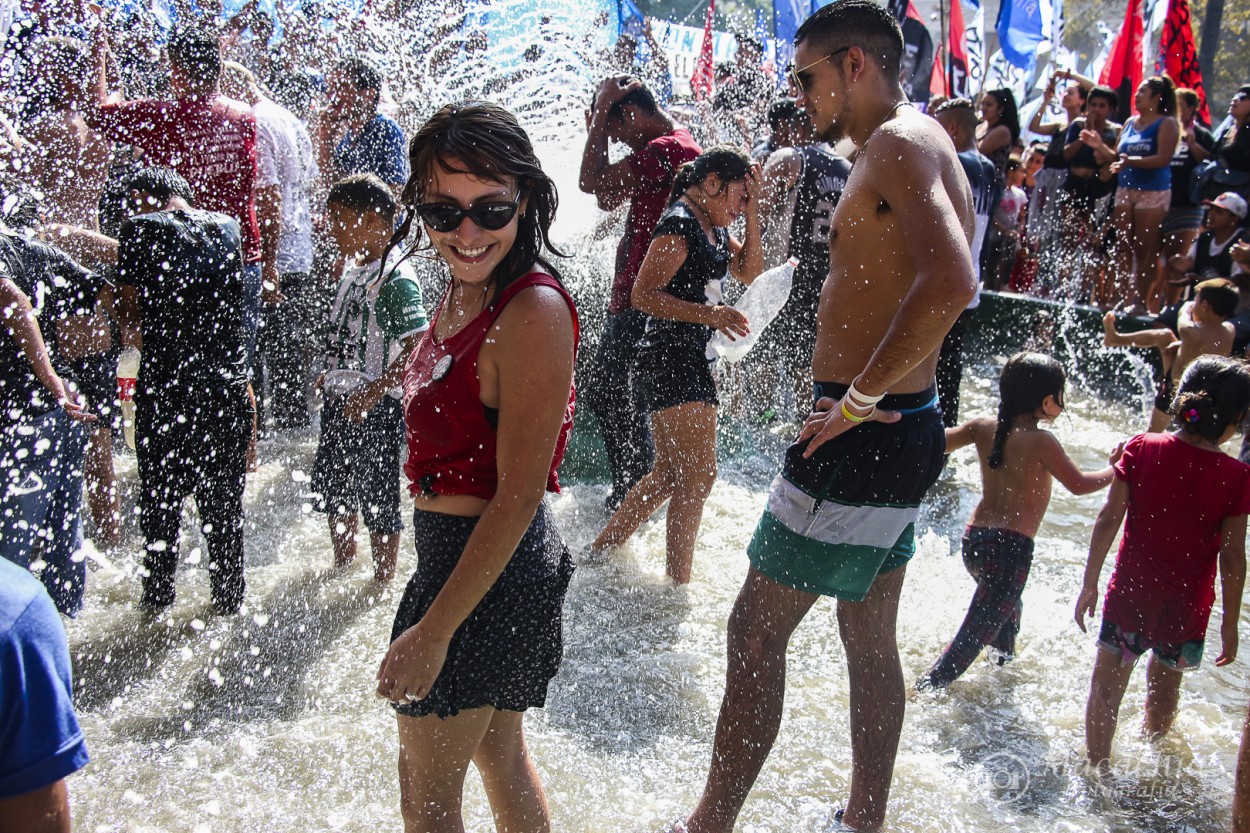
(998, 543)
(1186, 503)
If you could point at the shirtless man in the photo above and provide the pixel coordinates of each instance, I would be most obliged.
(840, 517)
(68, 164)
(1203, 327)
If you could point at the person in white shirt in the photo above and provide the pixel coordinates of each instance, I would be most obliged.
(286, 170)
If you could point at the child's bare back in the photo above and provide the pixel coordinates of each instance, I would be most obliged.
(1016, 494)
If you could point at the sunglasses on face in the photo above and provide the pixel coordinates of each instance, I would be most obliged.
(796, 75)
(443, 217)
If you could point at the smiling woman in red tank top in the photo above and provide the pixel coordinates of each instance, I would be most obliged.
(488, 404)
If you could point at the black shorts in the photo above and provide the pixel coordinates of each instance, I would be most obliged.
(95, 378)
(670, 376)
(358, 464)
(510, 647)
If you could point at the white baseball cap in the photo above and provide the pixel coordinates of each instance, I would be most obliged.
(1229, 201)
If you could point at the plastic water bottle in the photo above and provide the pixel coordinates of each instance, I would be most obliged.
(761, 302)
(127, 378)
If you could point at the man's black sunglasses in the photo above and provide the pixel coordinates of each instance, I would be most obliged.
(443, 217)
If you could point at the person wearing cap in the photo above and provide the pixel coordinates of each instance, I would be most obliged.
(1211, 254)
(1215, 255)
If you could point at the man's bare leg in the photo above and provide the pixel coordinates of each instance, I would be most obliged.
(763, 618)
(877, 697)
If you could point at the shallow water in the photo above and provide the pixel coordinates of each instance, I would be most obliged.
(267, 722)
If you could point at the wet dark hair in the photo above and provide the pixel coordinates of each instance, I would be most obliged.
(862, 23)
(1014, 163)
(197, 52)
(1162, 86)
(642, 98)
(362, 193)
(1106, 94)
(1009, 114)
(1221, 294)
(484, 140)
(1027, 379)
(726, 161)
(363, 75)
(162, 183)
(784, 111)
(1214, 394)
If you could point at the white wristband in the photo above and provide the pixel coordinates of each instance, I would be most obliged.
(860, 400)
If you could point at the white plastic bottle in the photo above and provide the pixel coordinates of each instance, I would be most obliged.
(761, 302)
(127, 378)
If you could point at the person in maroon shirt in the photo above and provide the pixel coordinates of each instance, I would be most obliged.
(210, 140)
(625, 111)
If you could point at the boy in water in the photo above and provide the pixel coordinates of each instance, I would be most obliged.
(375, 324)
(1202, 329)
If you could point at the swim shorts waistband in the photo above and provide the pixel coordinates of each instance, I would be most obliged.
(905, 403)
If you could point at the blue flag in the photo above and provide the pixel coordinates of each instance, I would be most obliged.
(1021, 29)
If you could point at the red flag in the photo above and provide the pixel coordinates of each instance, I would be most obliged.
(1123, 67)
(937, 80)
(702, 80)
(957, 80)
(1180, 58)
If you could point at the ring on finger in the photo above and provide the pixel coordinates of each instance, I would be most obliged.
(409, 696)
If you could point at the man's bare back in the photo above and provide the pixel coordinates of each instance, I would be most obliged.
(906, 172)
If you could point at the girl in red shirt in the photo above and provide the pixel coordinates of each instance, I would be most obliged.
(487, 408)
(1186, 503)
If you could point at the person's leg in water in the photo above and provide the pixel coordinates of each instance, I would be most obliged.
(343, 529)
(760, 625)
(1123, 292)
(1147, 243)
(103, 495)
(219, 496)
(378, 445)
(517, 800)
(877, 700)
(613, 401)
(1163, 697)
(993, 615)
(1102, 711)
(685, 470)
(434, 756)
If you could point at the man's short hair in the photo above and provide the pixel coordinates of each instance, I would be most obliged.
(196, 52)
(744, 38)
(363, 193)
(960, 110)
(1187, 95)
(784, 111)
(862, 23)
(362, 74)
(1106, 94)
(1220, 294)
(162, 183)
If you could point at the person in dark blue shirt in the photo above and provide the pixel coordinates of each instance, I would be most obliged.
(363, 140)
(40, 740)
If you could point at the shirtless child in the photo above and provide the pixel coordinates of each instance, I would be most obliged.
(840, 518)
(1202, 328)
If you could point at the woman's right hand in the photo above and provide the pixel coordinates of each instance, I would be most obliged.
(733, 324)
(1091, 138)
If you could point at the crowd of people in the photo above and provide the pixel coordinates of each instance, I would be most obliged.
(250, 222)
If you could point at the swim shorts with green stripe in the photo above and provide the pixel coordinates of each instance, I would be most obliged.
(838, 520)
